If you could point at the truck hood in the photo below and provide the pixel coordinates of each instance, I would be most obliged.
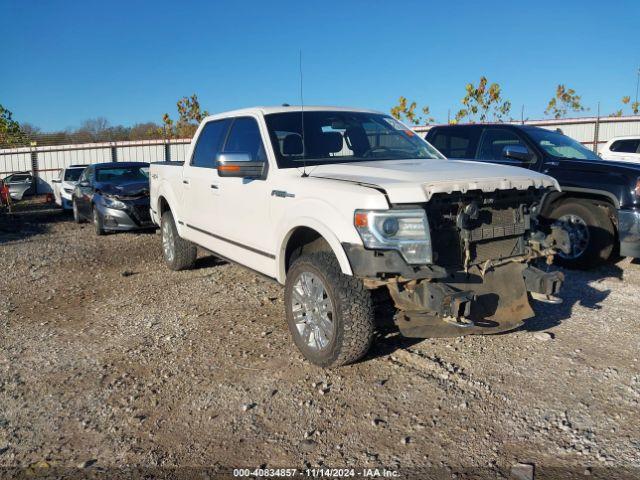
(408, 181)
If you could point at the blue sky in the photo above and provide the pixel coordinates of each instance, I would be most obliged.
(63, 62)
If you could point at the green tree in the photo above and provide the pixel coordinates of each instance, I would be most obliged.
(407, 112)
(11, 135)
(483, 102)
(189, 116)
(564, 101)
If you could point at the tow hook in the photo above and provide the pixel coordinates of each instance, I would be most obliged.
(453, 306)
(541, 297)
(461, 322)
(543, 286)
(457, 305)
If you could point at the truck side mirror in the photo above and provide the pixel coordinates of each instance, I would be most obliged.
(240, 165)
(517, 152)
(83, 183)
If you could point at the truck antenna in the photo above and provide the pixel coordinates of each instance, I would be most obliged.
(304, 153)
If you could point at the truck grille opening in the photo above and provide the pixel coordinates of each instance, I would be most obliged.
(497, 230)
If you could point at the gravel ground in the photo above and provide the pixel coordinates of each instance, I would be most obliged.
(108, 359)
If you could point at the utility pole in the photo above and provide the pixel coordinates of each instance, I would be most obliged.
(522, 114)
(637, 85)
(596, 132)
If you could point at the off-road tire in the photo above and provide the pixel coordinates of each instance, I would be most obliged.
(76, 214)
(353, 318)
(601, 233)
(97, 222)
(184, 252)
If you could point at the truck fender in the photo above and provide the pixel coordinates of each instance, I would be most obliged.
(324, 231)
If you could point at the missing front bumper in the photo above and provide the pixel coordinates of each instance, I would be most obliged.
(471, 303)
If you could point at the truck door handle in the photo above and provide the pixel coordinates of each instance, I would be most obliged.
(551, 164)
(214, 186)
(186, 182)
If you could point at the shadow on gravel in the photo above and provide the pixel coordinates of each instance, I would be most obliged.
(576, 291)
(29, 219)
(209, 261)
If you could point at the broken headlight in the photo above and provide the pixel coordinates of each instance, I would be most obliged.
(112, 202)
(406, 231)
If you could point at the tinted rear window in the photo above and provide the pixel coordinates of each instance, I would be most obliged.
(455, 142)
(625, 146)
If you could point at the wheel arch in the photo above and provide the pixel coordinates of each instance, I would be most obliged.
(309, 235)
(162, 205)
(602, 198)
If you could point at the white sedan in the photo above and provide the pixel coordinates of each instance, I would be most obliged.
(63, 185)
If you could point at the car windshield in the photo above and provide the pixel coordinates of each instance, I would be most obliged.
(72, 174)
(342, 137)
(561, 146)
(122, 174)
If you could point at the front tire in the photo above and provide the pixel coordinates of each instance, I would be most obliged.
(591, 232)
(329, 314)
(179, 254)
(97, 222)
(76, 212)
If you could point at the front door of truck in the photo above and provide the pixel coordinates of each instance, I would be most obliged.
(244, 221)
(200, 197)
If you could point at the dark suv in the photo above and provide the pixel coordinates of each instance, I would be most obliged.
(600, 200)
(114, 196)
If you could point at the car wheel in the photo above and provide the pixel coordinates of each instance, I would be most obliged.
(590, 231)
(329, 314)
(76, 213)
(97, 222)
(179, 254)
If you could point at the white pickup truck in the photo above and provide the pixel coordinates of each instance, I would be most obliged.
(335, 203)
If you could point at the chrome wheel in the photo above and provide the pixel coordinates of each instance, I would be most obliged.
(578, 234)
(312, 311)
(167, 241)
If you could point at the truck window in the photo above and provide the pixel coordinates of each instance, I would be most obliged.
(244, 137)
(494, 140)
(625, 146)
(209, 142)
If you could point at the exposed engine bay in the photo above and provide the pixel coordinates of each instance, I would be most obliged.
(483, 245)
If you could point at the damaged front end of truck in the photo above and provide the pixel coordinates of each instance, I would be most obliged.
(466, 262)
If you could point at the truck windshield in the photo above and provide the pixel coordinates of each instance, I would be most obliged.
(561, 146)
(342, 137)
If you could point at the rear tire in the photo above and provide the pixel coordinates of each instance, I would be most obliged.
(179, 254)
(97, 222)
(330, 314)
(591, 231)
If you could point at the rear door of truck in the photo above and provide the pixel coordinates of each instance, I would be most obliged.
(200, 183)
